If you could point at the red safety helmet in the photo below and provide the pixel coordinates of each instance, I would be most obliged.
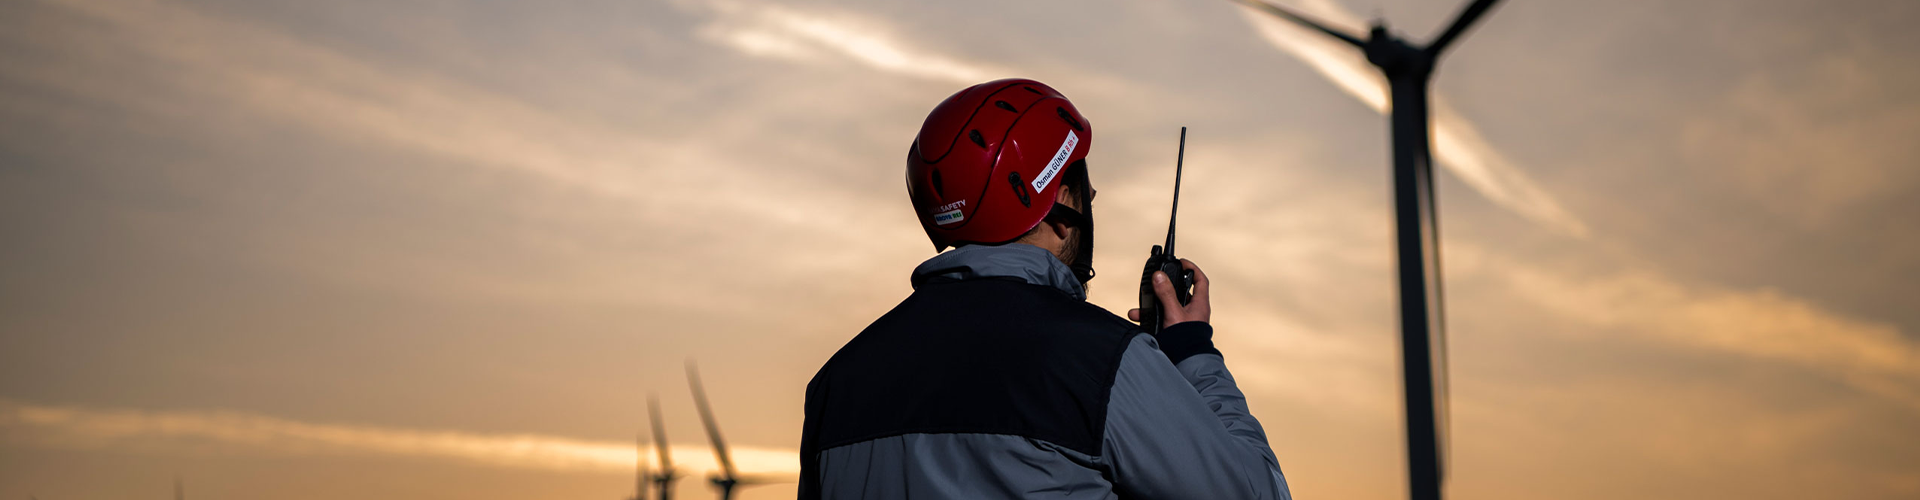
(991, 159)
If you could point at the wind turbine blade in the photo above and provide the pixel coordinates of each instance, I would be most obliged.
(706, 418)
(1302, 20)
(1460, 24)
(660, 435)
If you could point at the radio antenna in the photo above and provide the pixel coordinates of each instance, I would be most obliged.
(1179, 162)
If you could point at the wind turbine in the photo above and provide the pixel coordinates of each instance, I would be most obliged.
(663, 480)
(1409, 70)
(726, 479)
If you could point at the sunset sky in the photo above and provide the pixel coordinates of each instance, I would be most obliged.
(439, 249)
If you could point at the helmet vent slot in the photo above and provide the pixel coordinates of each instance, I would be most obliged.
(1069, 118)
(1020, 189)
(1030, 89)
(977, 139)
(939, 187)
(1005, 106)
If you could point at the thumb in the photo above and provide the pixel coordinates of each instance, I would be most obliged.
(1169, 306)
(1133, 314)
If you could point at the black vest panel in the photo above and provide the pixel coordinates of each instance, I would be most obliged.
(991, 356)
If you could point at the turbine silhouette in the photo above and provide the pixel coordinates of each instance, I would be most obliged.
(727, 478)
(662, 480)
(1409, 71)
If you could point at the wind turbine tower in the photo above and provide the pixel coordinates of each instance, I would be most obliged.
(1409, 71)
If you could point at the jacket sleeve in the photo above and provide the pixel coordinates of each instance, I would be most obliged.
(1178, 426)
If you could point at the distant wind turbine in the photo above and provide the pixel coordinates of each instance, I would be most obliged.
(1409, 71)
(725, 479)
(662, 480)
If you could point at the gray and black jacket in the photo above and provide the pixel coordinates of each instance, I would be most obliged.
(996, 379)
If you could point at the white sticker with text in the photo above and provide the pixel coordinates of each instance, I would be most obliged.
(1059, 160)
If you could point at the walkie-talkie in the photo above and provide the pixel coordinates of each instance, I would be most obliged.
(1162, 258)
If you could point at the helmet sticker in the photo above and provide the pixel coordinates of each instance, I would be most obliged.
(948, 217)
(1059, 160)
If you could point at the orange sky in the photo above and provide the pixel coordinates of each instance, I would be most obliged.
(438, 249)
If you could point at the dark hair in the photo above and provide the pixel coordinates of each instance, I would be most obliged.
(1076, 181)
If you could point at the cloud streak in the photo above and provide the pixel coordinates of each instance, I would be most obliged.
(661, 180)
(80, 428)
(785, 33)
(1760, 324)
(267, 72)
(1456, 142)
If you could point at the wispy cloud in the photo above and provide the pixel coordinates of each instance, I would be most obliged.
(267, 72)
(781, 32)
(1762, 324)
(1457, 144)
(253, 74)
(82, 428)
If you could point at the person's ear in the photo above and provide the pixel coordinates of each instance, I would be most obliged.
(1059, 229)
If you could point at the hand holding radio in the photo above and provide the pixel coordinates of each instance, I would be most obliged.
(1172, 301)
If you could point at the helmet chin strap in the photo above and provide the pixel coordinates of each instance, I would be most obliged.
(1076, 180)
(1082, 264)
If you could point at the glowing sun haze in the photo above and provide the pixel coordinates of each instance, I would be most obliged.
(444, 249)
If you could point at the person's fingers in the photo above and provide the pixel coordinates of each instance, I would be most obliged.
(1169, 305)
(1199, 280)
(1133, 314)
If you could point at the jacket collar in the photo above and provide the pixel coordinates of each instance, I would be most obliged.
(1027, 263)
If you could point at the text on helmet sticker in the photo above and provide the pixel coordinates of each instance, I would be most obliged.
(1041, 181)
(948, 217)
